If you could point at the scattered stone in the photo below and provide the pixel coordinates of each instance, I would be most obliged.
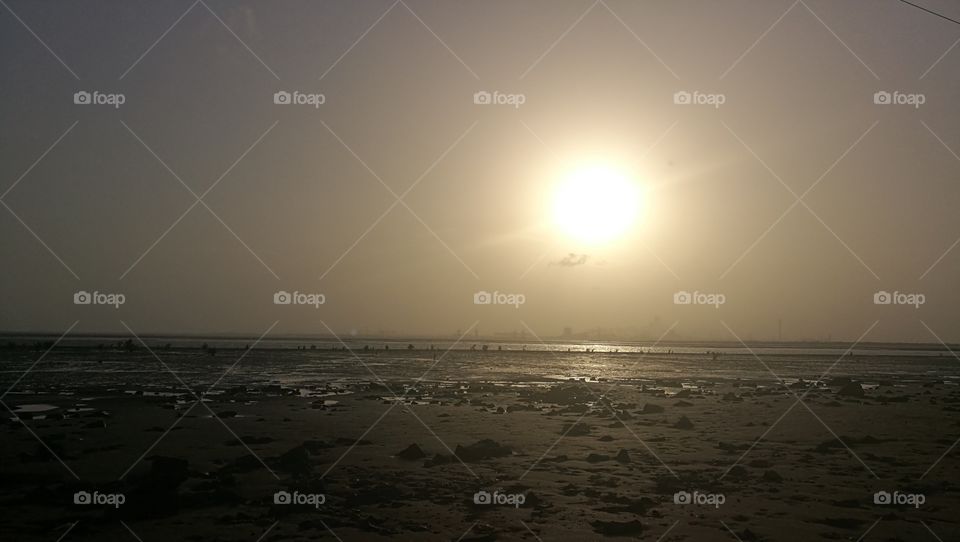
(605, 438)
(623, 456)
(578, 429)
(411, 453)
(683, 423)
(851, 389)
(651, 408)
(772, 476)
(480, 450)
(597, 458)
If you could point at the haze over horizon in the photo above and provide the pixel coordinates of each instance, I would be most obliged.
(796, 196)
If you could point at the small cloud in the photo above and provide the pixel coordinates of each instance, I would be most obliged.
(572, 260)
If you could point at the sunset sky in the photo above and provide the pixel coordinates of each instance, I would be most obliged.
(312, 204)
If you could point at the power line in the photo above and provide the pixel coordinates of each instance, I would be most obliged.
(930, 11)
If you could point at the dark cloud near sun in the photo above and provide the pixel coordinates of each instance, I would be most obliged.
(572, 260)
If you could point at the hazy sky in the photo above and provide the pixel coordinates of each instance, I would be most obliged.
(598, 82)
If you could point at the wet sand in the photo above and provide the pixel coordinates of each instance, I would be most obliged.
(585, 457)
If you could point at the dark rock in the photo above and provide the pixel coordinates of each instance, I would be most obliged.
(480, 450)
(683, 423)
(851, 389)
(623, 456)
(617, 528)
(411, 453)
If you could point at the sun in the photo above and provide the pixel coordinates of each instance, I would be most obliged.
(596, 204)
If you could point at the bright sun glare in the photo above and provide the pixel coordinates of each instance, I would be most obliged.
(596, 204)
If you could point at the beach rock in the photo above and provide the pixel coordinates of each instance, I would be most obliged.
(227, 414)
(623, 456)
(651, 408)
(683, 423)
(683, 404)
(605, 438)
(851, 389)
(578, 429)
(480, 450)
(597, 458)
(439, 459)
(731, 397)
(411, 453)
